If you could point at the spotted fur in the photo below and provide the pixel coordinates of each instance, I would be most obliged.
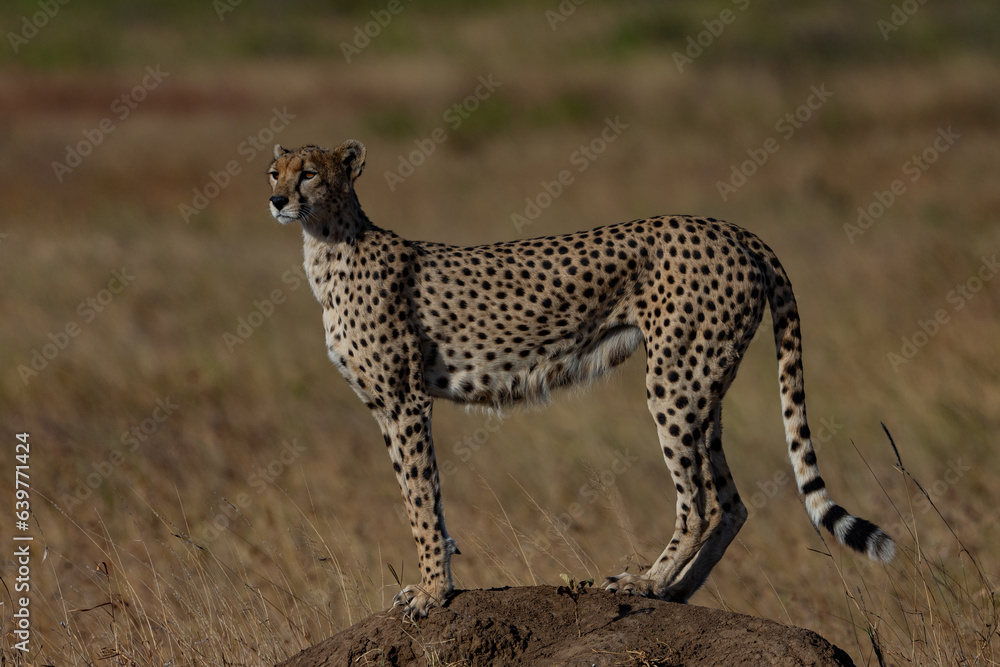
(496, 325)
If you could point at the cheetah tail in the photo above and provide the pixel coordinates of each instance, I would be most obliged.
(851, 531)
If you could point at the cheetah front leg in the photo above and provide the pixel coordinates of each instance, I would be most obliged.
(411, 448)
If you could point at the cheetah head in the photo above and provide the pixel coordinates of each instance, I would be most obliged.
(313, 183)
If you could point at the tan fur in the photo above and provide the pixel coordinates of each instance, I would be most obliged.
(495, 325)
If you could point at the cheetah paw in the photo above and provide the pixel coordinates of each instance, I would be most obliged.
(416, 602)
(631, 584)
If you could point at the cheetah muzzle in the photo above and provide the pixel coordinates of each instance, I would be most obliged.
(493, 325)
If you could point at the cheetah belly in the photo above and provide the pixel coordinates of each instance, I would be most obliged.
(532, 372)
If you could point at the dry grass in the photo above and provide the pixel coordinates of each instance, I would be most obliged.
(260, 515)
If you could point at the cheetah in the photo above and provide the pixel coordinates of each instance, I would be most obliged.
(496, 325)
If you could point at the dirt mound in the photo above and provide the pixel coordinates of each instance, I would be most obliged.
(542, 625)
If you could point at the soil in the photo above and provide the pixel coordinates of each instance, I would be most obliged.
(543, 625)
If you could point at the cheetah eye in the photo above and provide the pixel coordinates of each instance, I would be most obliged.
(306, 175)
(273, 174)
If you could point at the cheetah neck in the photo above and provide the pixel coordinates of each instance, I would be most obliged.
(331, 246)
(345, 224)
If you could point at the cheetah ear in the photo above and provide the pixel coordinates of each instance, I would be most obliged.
(279, 151)
(352, 156)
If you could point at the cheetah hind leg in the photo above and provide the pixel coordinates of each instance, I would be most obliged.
(674, 577)
(734, 515)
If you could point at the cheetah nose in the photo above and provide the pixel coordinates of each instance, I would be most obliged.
(279, 201)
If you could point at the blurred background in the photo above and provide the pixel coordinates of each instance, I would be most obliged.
(206, 488)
